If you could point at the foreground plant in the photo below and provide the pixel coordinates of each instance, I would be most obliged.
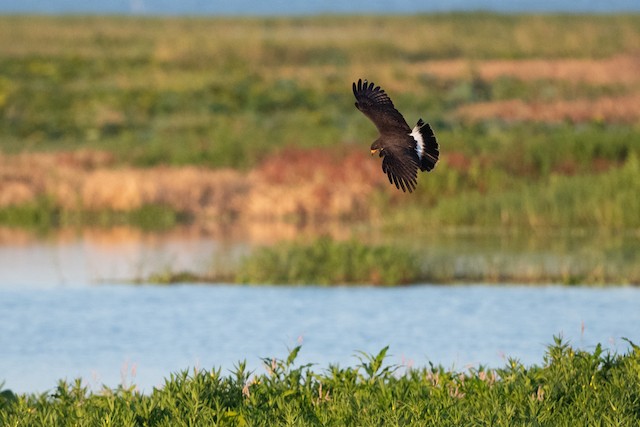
(571, 387)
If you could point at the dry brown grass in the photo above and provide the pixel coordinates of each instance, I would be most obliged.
(305, 185)
(620, 69)
(87, 181)
(620, 109)
(314, 185)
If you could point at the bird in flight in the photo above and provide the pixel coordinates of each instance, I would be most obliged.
(403, 150)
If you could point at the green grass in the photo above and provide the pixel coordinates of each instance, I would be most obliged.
(179, 91)
(329, 262)
(424, 257)
(40, 214)
(571, 387)
(570, 257)
(45, 216)
(607, 200)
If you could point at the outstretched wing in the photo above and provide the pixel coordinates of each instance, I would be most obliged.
(401, 166)
(376, 104)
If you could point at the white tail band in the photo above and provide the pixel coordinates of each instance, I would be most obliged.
(417, 136)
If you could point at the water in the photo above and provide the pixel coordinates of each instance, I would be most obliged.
(300, 7)
(113, 334)
(67, 311)
(92, 256)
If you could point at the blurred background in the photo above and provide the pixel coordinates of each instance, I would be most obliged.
(189, 184)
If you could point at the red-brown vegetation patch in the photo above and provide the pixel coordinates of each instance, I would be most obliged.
(621, 69)
(620, 109)
(76, 181)
(295, 184)
(458, 161)
(597, 165)
(84, 159)
(314, 184)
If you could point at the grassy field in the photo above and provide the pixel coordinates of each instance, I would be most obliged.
(537, 116)
(571, 387)
(249, 123)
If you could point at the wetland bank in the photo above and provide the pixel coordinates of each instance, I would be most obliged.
(158, 122)
(117, 131)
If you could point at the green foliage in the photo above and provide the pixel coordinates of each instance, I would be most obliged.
(40, 214)
(153, 217)
(325, 261)
(608, 200)
(167, 276)
(569, 257)
(45, 215)
(179, 91)
(7, 397)
(571, 387)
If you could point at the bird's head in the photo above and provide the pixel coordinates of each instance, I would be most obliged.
(377, 147)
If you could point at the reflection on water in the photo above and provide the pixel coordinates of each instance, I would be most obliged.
(570, 257)
(88, 256)
(80, 258)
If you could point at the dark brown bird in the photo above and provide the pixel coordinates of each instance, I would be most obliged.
(403, 150)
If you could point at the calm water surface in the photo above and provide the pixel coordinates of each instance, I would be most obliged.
(110, 334)
(66, 312)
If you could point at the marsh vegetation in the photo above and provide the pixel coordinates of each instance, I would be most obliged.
(571, 387)
(248, 124)
(157, 122)
(113, 115)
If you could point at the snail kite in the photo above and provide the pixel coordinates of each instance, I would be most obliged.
(403, 150)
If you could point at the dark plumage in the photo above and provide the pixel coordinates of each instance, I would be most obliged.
(403, 150)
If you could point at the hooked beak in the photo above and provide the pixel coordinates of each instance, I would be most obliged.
(374, 151)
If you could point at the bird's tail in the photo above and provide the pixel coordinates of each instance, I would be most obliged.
(427, 146)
